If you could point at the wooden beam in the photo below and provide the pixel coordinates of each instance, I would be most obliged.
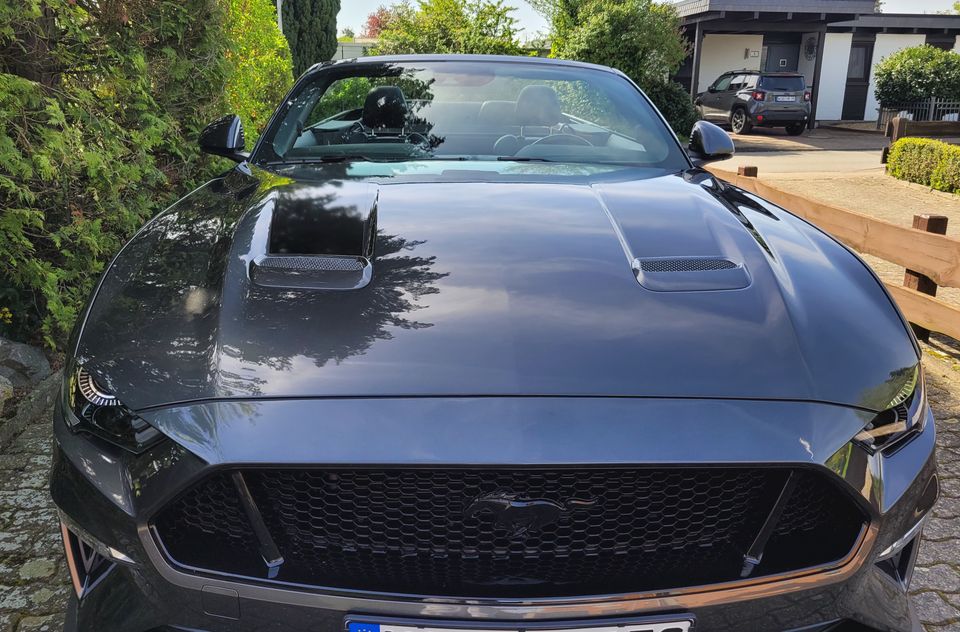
(935, 256)
(920, 282)
(926, 311)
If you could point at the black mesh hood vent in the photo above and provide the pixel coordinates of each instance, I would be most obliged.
(690, 274)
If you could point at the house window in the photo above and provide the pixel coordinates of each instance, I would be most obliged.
(857, 68)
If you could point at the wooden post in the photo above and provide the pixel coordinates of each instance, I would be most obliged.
(915, 280)
(747, 171)
(899, 129)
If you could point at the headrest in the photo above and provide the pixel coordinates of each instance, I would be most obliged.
(385, 107)
(497, 112)
(538, 105)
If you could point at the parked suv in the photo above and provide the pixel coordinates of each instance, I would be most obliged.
(745, 98)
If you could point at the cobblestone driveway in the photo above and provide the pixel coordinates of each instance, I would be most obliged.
(34, 583)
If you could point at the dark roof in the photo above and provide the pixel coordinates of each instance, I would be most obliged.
(903, 20)
(694, 7)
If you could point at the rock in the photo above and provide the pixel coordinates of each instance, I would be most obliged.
(37, 568)
(22, 365)
(6, 390)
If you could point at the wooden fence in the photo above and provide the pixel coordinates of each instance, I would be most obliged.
(931, 259)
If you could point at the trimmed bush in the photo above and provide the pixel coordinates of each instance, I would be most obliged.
(917, 73)
(933, 163)
(675, 104)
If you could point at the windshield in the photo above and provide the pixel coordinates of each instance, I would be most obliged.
(468, 110)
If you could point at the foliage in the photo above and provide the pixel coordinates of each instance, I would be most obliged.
(311, 28)
(926, 161)
(563, 16)
(376, 22)
(451, 26)
(101, 104)
(640, 37)
(259, 66)
(917, 73)
(347, 35)
(674, 102)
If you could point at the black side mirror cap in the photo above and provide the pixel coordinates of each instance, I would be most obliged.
(709, 143)
(224, 137)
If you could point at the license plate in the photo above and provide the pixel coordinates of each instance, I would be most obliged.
(782, 99)
(652, 625)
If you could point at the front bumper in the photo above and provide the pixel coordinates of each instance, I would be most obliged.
(110, 496)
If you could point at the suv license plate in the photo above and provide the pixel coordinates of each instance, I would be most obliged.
(782, 99)
(653, 625)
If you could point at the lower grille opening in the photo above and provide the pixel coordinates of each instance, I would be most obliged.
(519, 533)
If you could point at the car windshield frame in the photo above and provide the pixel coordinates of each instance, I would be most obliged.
(292, 116)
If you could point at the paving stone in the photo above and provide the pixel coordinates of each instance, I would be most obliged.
(942, 577)
(37, 569)
(932, 608)
(50, 623)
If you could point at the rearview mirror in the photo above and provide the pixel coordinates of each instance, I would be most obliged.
(708, 143)
(224, 137)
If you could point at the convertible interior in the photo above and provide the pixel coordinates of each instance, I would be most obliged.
(533, 126)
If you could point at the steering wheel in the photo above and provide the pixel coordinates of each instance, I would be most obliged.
(562, 139)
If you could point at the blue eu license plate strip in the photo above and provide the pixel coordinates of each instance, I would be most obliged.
(656, 624)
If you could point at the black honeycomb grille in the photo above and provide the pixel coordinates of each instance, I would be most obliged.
(686, 264)
(411, 531)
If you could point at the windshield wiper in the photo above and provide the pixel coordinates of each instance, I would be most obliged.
(324, 160)
(523, 159)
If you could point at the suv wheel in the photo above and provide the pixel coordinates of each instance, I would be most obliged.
(740, 122)
(795, 129)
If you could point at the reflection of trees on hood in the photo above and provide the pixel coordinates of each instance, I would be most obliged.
(329, 326)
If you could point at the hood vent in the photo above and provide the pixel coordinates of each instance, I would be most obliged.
(690, 274)
(685, 264)
(314, 272)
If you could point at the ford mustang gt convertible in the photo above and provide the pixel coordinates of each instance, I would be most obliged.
(475, 344)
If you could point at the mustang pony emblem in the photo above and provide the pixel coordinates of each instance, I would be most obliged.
(520, 516)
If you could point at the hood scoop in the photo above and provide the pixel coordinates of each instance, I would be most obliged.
(312, 272)
(319, 239)
(690, 274)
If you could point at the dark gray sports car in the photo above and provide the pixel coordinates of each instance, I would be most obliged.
(473, 344)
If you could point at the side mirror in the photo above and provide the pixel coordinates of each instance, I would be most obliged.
(712, 89)
(698, 100)
(708, 143)
(224, 137)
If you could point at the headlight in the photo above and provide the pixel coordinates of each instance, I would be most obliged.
(98, 412)
(903, 418)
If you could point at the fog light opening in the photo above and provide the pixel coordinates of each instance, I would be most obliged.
(897, 560)
(87, 566)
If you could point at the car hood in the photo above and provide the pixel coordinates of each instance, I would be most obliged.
(507, 287)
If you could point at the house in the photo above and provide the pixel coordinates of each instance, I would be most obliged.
(358, 47)
(836, 44)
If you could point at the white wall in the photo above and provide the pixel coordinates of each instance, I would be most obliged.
(887, 43)
(723, 52)
(956, 47)
(833, 76)
(807, 66)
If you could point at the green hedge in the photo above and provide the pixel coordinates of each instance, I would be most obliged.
(933, 163)
(101, 104)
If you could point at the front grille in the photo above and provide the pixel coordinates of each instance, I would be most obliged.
(436, 532)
